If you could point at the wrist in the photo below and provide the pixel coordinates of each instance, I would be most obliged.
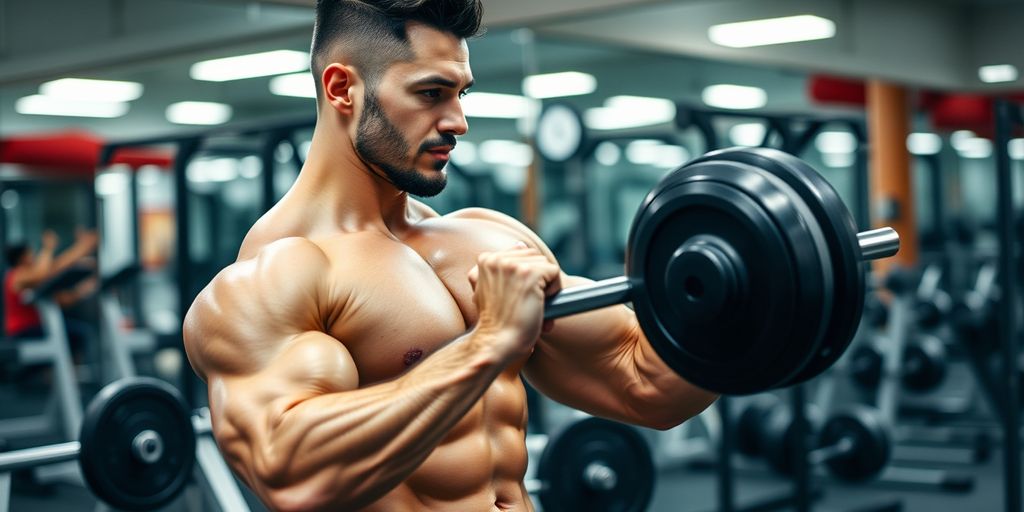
(493, 344)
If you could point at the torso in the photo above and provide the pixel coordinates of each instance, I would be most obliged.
(19, 317)
(417, 299)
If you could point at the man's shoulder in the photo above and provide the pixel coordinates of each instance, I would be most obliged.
(477, 213)
(495, 217)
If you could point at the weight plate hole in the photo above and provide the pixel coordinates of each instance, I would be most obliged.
(694, 288)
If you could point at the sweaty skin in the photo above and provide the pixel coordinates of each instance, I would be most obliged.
(366, 353)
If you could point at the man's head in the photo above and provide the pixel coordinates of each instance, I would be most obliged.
(18, 254)
(397, 68)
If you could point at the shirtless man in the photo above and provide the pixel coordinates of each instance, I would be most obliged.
(364, 352)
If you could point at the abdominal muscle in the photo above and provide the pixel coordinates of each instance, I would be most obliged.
(479, 466)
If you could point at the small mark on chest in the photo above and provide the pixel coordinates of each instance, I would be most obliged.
(412, 356)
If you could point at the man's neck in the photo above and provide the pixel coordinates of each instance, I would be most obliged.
(344, 187)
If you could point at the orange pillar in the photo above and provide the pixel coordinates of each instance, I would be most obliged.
(529, 201)
(892, 191)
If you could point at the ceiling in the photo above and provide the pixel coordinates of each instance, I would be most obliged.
(642, 47)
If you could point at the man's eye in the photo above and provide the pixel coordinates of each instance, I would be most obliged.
(432, 93)
(462, 94)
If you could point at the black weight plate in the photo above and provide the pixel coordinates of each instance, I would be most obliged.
(765, 333)
(924, 363)
(871, 443)
(750, 424)
(866, 366)
(594, 440)
(778, 436)
(120, 412)
(840, 232)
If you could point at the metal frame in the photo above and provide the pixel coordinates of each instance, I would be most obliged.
(1008, 117)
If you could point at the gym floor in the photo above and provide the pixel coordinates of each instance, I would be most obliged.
(678, 491)
(682, 489)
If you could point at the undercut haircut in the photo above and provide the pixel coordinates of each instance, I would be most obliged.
(372, 33)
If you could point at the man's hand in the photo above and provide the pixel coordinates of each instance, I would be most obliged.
(50, 240)
(509, 288)
(87, 239)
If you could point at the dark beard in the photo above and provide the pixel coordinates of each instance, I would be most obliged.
(379, 143)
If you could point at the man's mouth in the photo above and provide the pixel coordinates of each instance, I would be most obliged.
(440, 152)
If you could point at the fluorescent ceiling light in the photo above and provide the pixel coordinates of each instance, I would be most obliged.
(149, 176)
(506, 153)
(1016, 149)
(835, 142)
(747, 134)
(500, 106)
(975, 148)
(111, 183)
(789, 29)
(998, 73)
(737, 97)
(40, 105)
(924, 143)
(959, 139)
(620, 112)
(656, 153)
(607, 153)
(275, 62)
(299, 85)
(557, 85)
(837, 160)
(81, 89)
(217, 170)
(250, 167)
(9, 199)
(198, 112)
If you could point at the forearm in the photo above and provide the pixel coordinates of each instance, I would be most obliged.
(346, 450)
(69, 257)
(600, 362)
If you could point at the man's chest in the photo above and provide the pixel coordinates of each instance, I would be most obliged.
(416, 297)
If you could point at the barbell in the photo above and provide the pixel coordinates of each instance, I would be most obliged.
(745, 270)
(136, 448)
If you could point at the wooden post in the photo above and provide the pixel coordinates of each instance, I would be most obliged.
(892, 190)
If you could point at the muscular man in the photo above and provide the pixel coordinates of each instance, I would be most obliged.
(364, 352)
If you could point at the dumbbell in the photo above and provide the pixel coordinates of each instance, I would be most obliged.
(932, 310)
(594, 464)
(923, 366)
(876, 313)
(854, 444)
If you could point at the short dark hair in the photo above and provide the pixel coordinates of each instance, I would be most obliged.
(14, 254)
(374, 31)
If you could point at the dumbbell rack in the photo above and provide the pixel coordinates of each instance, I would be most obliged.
(804, 492)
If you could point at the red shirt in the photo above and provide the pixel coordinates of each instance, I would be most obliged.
(17, 315)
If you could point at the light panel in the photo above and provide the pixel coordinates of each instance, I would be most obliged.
(198, 113)
(498, 106)
(39, 105)
(734, 97)
(558, 85)
(789, 29)
(924, 143)
(622, 112)
(297, 85)
(998, 73)
(82, 89)
(276, 62)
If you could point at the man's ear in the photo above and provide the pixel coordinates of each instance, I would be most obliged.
(337, 82)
